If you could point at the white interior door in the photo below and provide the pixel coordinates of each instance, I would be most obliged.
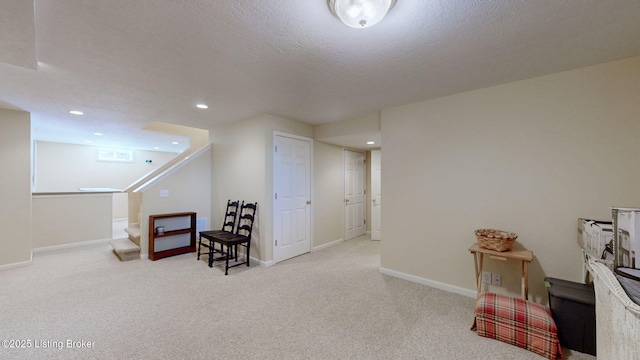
(354, 191)
(376, 198)
(292, 197)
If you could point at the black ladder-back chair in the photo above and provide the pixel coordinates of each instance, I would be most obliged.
(230, 216)
(241, 237)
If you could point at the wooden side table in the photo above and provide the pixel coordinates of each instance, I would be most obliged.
(525, 256)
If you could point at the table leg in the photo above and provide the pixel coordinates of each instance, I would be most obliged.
(525, 280)
(475, 267)
(478, 260)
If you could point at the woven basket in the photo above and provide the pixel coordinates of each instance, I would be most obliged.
(496, 240)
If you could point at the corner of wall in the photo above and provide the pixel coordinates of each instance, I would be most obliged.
(15, 192)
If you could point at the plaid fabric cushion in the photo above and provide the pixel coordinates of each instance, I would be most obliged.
(518, 322)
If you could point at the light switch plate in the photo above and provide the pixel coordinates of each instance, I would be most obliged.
(486, 277)
(164, 193)
(496, 279)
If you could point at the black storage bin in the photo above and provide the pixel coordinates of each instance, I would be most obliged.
(573, 306)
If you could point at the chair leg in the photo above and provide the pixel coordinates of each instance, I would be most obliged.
(226, 267)
(248, 251)
(199, 245)
(211, 252)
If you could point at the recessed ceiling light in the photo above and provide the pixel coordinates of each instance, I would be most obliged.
(202, 106)
(156, 148)
(175, 143)
(88, 141)
(98, 134)
(370, 142)
(76, 112)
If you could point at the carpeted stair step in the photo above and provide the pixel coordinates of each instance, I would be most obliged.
(134, 233)
(125, 249)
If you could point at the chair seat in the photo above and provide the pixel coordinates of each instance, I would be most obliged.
(231, 239)
(227, 227)
(212, 233)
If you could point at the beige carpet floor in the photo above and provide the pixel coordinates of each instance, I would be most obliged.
(330, 304)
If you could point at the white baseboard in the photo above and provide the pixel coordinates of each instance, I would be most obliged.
(432, 283)
(315, 248)
(72, 245)
(16, 265)
(261, 262)
(254, 260)
(324, 246)
(271, 262)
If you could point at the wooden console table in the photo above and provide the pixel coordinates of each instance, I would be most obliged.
(525, 256)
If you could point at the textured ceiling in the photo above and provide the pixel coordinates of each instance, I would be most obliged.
(129, 63)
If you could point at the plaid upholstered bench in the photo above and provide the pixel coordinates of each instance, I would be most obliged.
(518, 322)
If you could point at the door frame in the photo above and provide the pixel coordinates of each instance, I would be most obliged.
(373, 195)
(273, 189)
(344, 195)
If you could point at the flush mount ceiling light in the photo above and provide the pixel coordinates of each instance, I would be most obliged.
(360, 14)
(76, 112)
(202, 106)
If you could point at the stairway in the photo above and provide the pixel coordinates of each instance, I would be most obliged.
(128, 249)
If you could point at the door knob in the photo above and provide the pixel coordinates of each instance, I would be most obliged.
(308, 202)
(346, 200)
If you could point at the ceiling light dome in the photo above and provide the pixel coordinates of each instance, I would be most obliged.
(360, 14)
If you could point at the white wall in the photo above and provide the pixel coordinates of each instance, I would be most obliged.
(272, 124)
(364, 128)
(15, 192)
(67, 167)
(238, 173)
(71, 218)
(328, 180)
(120, 206)
(242, 169)
(530, 157)
(189, 190)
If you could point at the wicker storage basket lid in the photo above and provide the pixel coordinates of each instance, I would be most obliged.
(498, 240)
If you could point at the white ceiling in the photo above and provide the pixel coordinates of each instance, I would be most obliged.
(127, 63)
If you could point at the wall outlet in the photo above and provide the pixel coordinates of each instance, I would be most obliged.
(486, 277)
(496, 279)
(164, 193)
